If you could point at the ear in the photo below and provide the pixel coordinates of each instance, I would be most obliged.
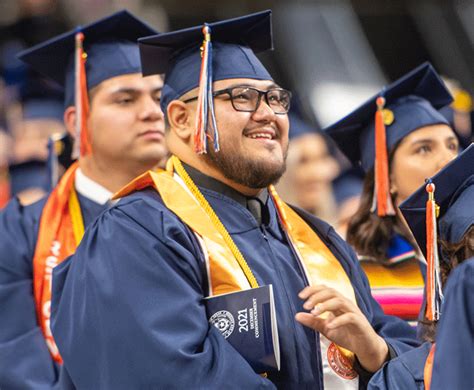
(70, 120)
(181, 119)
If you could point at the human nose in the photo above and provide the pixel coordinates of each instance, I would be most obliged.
(263, 110)
(151, 110)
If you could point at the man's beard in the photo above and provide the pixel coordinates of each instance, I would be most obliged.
(246, 171)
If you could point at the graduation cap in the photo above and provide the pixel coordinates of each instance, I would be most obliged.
(43, 109)
(299, 127)
(82, 58)
(367, 135)
(198, 56)
(29, 174)
(41, 98)
(443, 208)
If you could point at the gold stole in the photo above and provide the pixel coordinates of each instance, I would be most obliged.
(225, 270)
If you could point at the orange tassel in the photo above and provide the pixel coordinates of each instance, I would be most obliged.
(205, 117)
(83, 145)
(382, 201)
(200, 141)
(433, 282)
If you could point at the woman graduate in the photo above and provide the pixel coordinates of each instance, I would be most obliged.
(399, 138)
(452, 191)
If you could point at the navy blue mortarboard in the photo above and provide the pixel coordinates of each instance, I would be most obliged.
(43, 109)
(454, 194)
(228, 49)
(368, 134)
(30, 174)
(41, 99)
(299, 127)
(110, 45)
(411, 102)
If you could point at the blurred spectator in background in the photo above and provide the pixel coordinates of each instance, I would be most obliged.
(460, 112)
(347, 189)
(307, 182)
(41, 117)
(36, 21)
(24, 129)
(418, 141)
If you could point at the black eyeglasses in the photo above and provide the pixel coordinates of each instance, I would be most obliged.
(247, 99)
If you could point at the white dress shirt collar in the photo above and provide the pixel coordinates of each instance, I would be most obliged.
(90, 189)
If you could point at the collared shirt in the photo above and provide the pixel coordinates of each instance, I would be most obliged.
(256, 205)
(91, 189)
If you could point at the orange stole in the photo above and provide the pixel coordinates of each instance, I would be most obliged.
(428, 371)
(57, 239)
(320, 265)
(224, 273)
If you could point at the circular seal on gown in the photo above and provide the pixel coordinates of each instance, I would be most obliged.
(340, 364)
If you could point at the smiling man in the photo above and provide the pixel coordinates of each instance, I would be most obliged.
(125, 130)
(129, 307)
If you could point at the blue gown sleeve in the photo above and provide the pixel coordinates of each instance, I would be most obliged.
(405, 372)
(453, 366)
(25, 362)
(128, 311)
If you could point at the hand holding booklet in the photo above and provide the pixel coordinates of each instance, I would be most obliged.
(248, 322)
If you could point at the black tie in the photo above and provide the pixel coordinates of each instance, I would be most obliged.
(254, 205)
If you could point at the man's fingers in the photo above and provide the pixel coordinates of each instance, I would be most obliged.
(343, 320)
(338, 305)
(311, 321)
(309, 290)
(319, 296)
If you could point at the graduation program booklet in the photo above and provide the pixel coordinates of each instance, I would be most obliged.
(248, 322)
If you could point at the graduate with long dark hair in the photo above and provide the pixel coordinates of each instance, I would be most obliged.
(448, 244)
(399, 138)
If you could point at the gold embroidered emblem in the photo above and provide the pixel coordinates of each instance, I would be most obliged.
(388, 116)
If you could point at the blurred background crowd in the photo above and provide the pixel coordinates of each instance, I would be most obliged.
(332, 54)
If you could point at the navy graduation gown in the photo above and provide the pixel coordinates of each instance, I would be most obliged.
(453, 363)
(25, 361)
(405, 372)
(453, 366)
(128, 311)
